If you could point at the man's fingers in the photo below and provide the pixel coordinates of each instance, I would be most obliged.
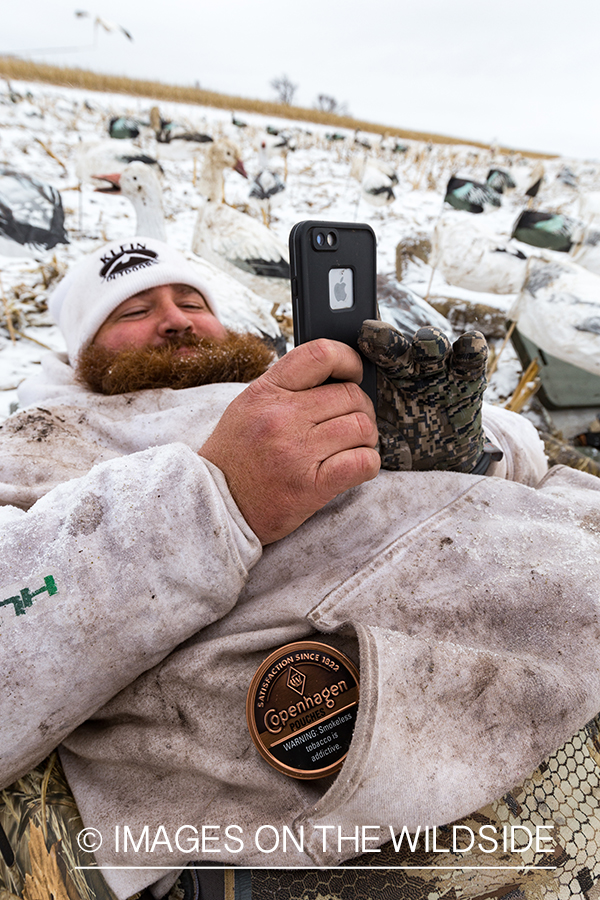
(330, 401)
(345, 470)
(313, 363)
(335, 435)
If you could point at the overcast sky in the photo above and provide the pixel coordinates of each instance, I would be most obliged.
(525, 73)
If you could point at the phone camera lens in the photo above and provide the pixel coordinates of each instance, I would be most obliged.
(331, 238)
(320, 238)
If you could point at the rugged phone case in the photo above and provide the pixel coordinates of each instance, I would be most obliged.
(311, 265)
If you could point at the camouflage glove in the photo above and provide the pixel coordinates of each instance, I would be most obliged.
(429, 398)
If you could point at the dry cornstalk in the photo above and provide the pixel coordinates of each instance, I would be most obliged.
(559, 452)
(433, 268)
(526, 388)
(229, 885)
(51, 154)
(6, 306)
(28, 337)
(44, 793)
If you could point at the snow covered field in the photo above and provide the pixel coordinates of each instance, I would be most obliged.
(42, 131)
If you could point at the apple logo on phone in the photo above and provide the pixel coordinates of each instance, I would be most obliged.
(341, 289)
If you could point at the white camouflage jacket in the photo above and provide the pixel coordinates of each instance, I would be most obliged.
(137, 604)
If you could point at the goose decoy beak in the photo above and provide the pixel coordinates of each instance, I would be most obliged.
(113, 185)
(239, 167)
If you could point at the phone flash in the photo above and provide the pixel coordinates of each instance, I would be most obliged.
(341, 289)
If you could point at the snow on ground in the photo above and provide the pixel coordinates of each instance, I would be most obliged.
(42, 134)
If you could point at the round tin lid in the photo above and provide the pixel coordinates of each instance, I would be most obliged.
(301, 709)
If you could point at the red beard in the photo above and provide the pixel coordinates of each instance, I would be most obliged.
(239, 358)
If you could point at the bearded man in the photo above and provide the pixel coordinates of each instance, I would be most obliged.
(188, 523)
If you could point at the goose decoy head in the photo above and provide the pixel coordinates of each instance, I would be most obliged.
(227, 154)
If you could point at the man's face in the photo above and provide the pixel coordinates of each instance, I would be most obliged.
(167, 337)
(158, 317)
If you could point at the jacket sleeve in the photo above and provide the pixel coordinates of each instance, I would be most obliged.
(100, 580)
(524, 457)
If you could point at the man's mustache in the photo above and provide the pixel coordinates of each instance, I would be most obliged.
(240, 357)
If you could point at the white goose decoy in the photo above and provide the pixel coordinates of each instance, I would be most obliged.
(31, 215)
(528, 180)
(470, 255)
(558, 310)
(405, 310)
(361, 141)
(239, 307)
(377, 180)
(589, 206)
(140, 184)
(267, 187)
(282, 143)
(234, 241)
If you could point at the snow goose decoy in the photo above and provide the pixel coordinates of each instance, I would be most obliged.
(471, 196)
(534, 183)
(567, 176)
(556, 311)
(31, 215)
(140, 184)
(470, 255)
(405, 310)
(555, 231)
(267, 186)
(176, 135)
(361, 141)
(234, 241)
(589, 205)
(377, 180)
(175, 141)
(240, 308)
(391, 144)
(122, 128)
(500, 180)
(284, 143)
(551, 231)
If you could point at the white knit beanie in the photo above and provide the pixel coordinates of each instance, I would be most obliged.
(96, 285)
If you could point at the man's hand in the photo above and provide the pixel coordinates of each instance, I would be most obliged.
(429, 396)
(289, 444)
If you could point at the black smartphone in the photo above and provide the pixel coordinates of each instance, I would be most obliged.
(333, 268)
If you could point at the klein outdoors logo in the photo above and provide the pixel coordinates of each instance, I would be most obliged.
(129, 258)
(296, 680)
